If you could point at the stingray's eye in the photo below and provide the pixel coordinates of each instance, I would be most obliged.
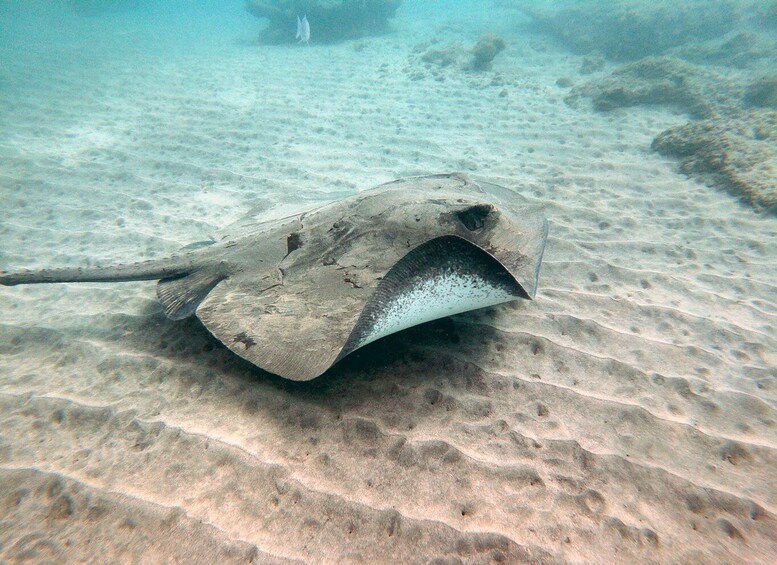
(474, 217)
(293, 242)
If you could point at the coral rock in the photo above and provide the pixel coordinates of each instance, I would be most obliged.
(484, 51)
(330, 20)
(738, 153)
(659, 80)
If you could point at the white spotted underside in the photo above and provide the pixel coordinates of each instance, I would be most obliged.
(444, 295)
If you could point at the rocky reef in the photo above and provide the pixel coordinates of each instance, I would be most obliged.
(737, 153)
(484, 51)
(457, 57)
(737, 49)
(731, 141)
(631, 29)
(330, 20)
(660, 80)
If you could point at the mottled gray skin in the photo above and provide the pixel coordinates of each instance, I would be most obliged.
(289, 294)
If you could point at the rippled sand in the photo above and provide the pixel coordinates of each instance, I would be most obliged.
(629, 414)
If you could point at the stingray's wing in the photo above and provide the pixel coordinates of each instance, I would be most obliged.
(296, 331)
(295, 322)
(301, 328)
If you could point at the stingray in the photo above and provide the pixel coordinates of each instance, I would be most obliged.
(295, 295)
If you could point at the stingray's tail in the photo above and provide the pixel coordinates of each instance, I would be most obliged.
(170, 267)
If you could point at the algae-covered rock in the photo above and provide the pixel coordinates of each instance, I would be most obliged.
(658, 80)
(627, 30)
(330, 20)
(738, 153)
(484, 51)
(458, 57)
(732, 141)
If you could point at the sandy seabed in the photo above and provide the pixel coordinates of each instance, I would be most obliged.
(628, 414)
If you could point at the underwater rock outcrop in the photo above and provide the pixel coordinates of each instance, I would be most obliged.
(659, 80)
(737, 153)
(478, 58)
(484, 51)
(330, 20)
(731, 141)
(632, 29)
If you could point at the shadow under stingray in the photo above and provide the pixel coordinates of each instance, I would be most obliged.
(182, 340)
(385, 359)
(184, 354)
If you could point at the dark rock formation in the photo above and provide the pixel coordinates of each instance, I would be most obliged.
(330, 20)
(737, 153)
(632, 29)
(659, 80)
(478, 58)
(484, 51)
(732, 142)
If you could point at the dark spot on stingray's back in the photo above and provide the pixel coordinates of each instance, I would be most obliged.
(474, 217)
(293, 242)
(245, 339)
(339, 228)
